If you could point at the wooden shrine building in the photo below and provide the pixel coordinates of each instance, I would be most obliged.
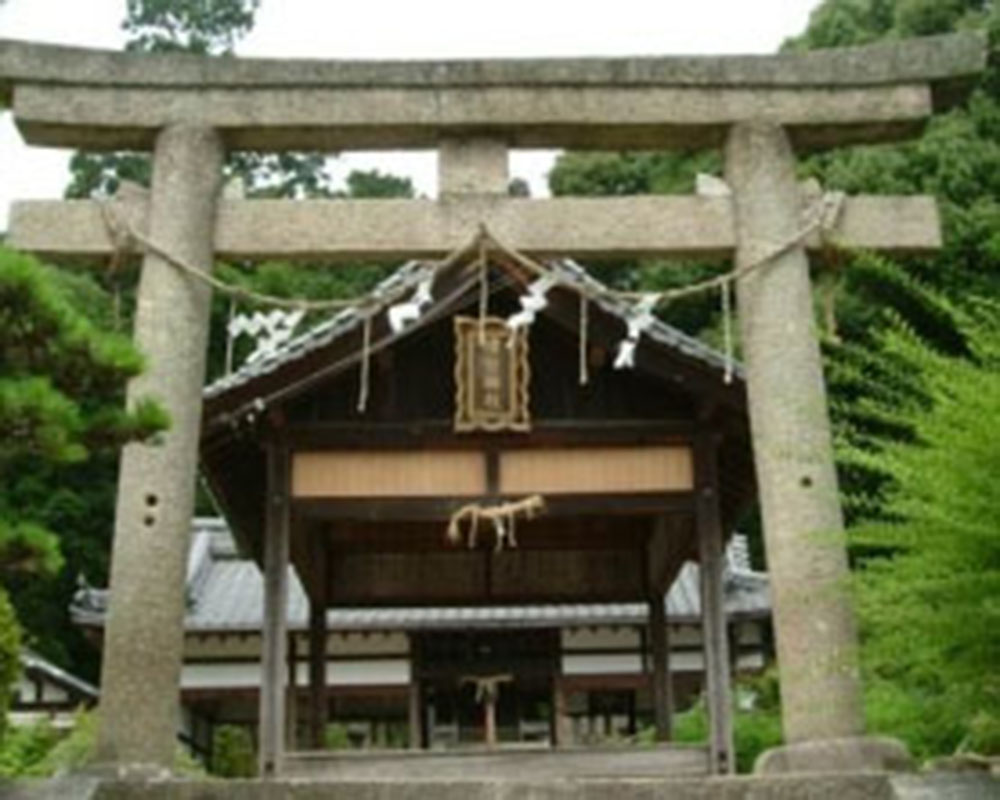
(368, 441)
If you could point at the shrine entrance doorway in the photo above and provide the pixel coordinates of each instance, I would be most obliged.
(460, 675)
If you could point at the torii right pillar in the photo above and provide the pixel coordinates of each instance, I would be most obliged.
(822, 711)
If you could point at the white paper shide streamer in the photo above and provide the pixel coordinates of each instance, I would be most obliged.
(402, 315)
(639, 319)
(269, 331)
(531, 303)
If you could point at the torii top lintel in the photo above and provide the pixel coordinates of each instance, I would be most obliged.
(69, 97)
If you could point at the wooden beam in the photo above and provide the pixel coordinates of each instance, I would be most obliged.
(458, 577)
(440, 434)
(381, 509)
(273, 659)
(715, 640)
(594, 532)
(589, 228)
(596, 470)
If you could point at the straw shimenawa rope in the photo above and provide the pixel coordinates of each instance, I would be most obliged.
(126, 237)
(822, 216)
(464, 523)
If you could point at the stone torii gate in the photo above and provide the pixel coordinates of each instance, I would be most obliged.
(189, 111)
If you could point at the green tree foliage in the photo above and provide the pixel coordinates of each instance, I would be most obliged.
(24, 749)
(60, 379)
(10, 652)
(931, 621)
(61, 419)
(756, 719)
(374, 184)
(206, 27)
(44, 751)
(233, 753)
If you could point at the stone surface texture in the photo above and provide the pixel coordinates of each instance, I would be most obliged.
(581, 227)
(942, 786)
(934, 58)
(144, 635)
(793, 452)
(860, 787)
(472, 166)
(868, 753)
(72, 97)
(68, 787)
(816, 787)
(580, 117)
(522, 763)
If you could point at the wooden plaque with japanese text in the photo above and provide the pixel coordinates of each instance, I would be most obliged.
(491, 376)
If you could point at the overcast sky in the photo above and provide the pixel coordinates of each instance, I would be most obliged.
(390, 29)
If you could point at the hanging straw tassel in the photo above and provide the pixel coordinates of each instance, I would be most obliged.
(584, 325)
(366, 346)
(464, 522)
(727, 329)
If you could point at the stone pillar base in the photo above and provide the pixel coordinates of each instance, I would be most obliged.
(849, 754)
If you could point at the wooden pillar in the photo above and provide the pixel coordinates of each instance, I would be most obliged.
(144, 638)
(292, 703)
(490, 716)
(661, 682)
(713, 613)
(415, 711)
(318, 636)
(559, 731)
(273, 661)
(793, 451)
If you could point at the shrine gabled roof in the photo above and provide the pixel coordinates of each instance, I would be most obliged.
(318, 336)
(570, 276)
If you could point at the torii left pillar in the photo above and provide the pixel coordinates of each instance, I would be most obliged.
(143, 641)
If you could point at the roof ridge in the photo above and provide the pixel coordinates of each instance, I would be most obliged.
(571, 274)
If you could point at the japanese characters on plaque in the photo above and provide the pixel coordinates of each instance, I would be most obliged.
(491, 376)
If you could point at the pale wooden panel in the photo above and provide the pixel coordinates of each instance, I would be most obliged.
(388, 474)
(598, 470)
(604, 664)
(620, 638)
